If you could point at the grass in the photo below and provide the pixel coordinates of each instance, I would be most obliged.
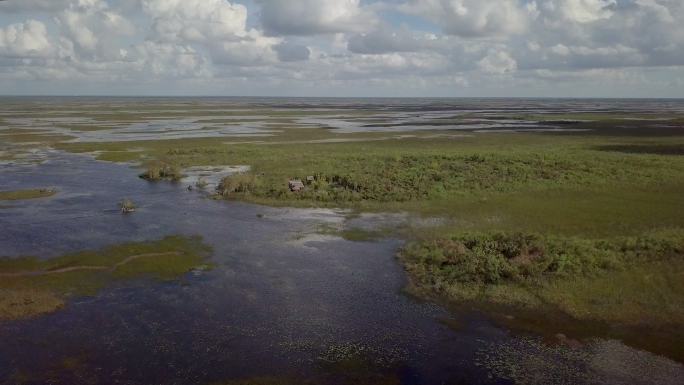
(658, 149)
(362, 235)
(26, 194)
(33, 286)
(375, 175)
(27, 302)
(355, 234)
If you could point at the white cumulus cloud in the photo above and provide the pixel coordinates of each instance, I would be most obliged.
(497, 62)
(310, 17)
(475, 18)
(587, 11)
(25, 39)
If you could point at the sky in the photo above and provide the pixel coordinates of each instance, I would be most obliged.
(334, 48)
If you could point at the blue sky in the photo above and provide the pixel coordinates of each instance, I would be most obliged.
(575, 48)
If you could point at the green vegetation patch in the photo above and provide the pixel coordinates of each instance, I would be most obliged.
(424, 174)
(627, 280)
(241, 183)
(356, 234)
(27, 194)
(158, 170)
(657, 149)
(31, 286)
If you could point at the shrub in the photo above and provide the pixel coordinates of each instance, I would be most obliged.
(201, 183)
(499, 257)
(127, 206)
(160, 170)
(237, 183)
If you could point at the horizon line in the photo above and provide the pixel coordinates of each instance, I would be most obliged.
(339, 97)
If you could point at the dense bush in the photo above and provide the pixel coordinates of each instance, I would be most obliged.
(238, 183)
(497, 258)
(161, 170)
(402, 178)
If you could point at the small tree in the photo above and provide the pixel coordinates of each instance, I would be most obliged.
(238, 183)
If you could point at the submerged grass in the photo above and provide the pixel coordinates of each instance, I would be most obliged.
(26, 194)
(31, 286)
(356, 234)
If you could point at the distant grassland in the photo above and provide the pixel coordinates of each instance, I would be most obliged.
(30, 286)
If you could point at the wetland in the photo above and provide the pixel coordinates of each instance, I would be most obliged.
(434, 241)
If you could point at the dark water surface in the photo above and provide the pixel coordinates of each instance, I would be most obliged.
(273, 305)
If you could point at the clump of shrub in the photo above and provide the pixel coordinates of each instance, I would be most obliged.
(489, 259)
(201, 183)
(238, 183)
(161, 170)
(127, 206)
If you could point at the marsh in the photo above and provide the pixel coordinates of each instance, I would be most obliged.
(440, 241)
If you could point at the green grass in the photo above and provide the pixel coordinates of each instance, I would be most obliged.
(356, 234)
(362, 235)
(379, 174)
(26, 194)
(28, 289)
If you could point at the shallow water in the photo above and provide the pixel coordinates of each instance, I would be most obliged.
(281, 300)
(125, 119)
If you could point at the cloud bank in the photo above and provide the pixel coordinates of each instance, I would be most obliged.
(343, 47)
